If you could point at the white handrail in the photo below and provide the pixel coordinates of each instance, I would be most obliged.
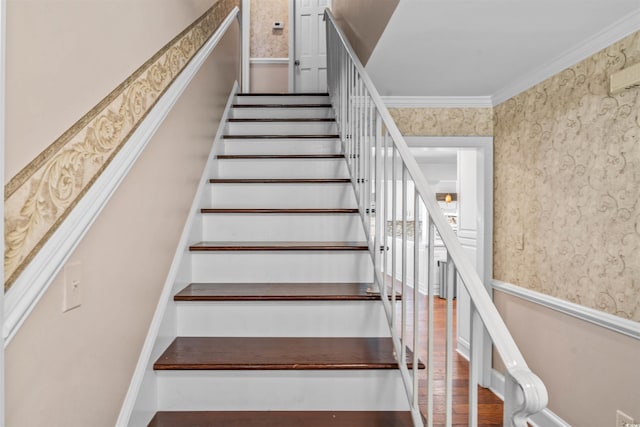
(359, 108)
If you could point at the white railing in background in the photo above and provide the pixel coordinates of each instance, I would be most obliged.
(380, 162)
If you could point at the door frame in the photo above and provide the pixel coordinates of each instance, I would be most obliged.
(292, 45)
(484, 174)
(245, 29)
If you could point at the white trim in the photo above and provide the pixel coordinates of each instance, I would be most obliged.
(269, 60)
(616, 31)
(609, 321)
(292, 42)
(145, 354)
(40, 272)
(437, 101)
(246, 45)
(544, 418)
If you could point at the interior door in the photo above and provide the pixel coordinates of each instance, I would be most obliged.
(310, 73)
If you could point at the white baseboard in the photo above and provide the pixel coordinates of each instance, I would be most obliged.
(609, 321)
(544, 418)
(146, 353)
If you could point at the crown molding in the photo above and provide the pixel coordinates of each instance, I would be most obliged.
(437, 101)
(605, 38)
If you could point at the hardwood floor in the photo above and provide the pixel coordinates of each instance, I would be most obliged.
(490, 406)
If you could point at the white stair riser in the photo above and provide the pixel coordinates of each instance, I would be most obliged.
(282, 168)
(309, 99)
(281, 390)
(282, 146)
(282, 319)
(281, 113)
(282, 227)
(281, 128)
(281, 266)
(335, 195)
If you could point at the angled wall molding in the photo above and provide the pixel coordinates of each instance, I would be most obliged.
(51, 204)
(437, 101)
(597, 317)
(615, 32)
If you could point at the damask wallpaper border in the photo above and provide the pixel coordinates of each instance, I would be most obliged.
(41, 195)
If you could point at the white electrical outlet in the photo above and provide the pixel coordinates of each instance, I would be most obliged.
(624, 420)
(72, 289)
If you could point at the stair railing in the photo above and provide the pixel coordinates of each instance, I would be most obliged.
(391, 190)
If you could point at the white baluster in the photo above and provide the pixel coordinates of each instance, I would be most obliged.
(430, 321)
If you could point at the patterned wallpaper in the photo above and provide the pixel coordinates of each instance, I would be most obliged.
(41, 195)
(265, 41)
(444, 121)
(567, 186)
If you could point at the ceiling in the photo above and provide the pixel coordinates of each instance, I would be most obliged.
(473, 48)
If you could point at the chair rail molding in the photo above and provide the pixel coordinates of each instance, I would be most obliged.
(37, 275)
(609, 321)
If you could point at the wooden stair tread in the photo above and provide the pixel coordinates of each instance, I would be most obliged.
(282, 353)
(278, 211)
(277, 292)
(282, 419)
(279, 246)
(279, 180)
(280, 156)
(282, 120)
(283, 94)
(305, 136)
(281, 105)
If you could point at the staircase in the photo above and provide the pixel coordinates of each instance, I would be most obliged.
(280, 325)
